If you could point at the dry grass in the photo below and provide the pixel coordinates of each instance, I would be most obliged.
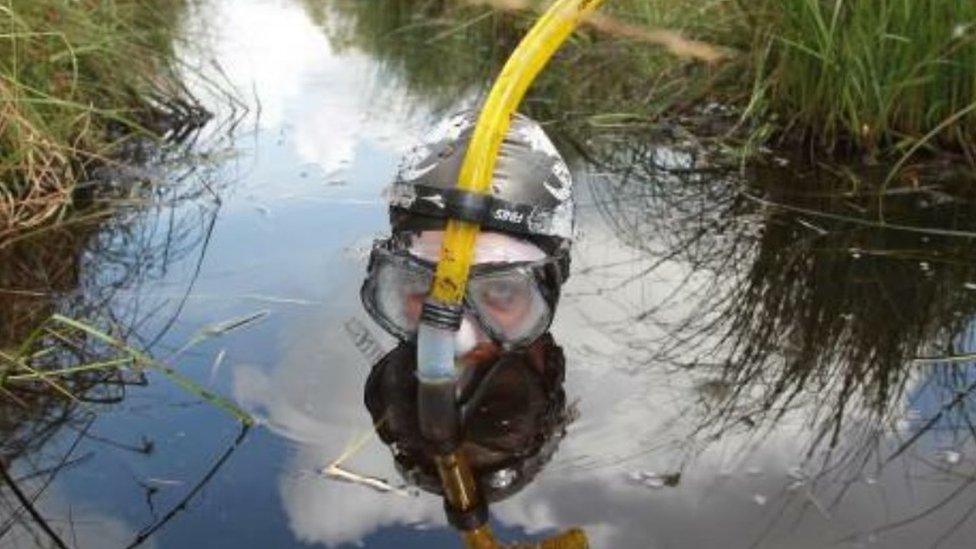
(43, 168)
(66, 103)
(672, 41)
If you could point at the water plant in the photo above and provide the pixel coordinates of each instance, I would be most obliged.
(867, 76)
(74, 343)
(875, 80)
(79, 80)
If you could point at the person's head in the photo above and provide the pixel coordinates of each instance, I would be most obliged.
(521, 256)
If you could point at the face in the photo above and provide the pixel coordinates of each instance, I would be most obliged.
(506, 300)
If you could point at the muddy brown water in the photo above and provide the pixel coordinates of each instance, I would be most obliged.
(745, 366)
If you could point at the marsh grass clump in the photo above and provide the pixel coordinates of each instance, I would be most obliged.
(69, 343)
(57, 381)
(65, 339)
(867, 76)
(845, 79)
(78, 80)
(834, 78)
(66, 363)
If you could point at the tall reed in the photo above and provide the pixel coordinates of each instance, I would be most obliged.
(77, 80)
(867, 75)
(878, 78)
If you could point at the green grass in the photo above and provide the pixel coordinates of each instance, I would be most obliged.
(77, 79)
(881, 78)
(64, 360)
(841, 78)
(867, 75)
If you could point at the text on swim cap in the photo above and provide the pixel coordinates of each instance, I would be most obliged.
(508, 216)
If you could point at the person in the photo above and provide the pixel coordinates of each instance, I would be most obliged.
(521, 256)
(508, 398)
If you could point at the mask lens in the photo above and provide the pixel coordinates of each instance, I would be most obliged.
(510, 304)
(400, 289)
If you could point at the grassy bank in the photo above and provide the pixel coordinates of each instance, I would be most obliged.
(880, 76)
(78, 80)
(842, 78)
(849, 77)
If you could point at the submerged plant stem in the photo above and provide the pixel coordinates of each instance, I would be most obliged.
(140, 358)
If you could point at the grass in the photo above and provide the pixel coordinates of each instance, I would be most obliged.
(138, 359)
(77, 81)
(867, 76)
(65, 359)
(57, 379)
(68, 344)
(882, 80)
(58, 375)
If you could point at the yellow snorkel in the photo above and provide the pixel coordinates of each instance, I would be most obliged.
(442, 313)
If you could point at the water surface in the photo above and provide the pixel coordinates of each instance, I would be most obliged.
(740, 356)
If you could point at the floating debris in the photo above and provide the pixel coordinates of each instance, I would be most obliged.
(951, 457)
(760, 499)
(815, 228)
(944, 359)
(221, 328)
(797, 473)
(795, 485)
(218, 361)
(650, 479)
(336, 472)
(164, 482)
(653, 482)
(276, 299)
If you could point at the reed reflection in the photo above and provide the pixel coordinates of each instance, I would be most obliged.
(70, 307)
(807, 300)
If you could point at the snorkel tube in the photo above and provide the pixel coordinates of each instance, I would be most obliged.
(442, 313)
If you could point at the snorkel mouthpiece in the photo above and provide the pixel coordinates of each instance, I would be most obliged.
(436, 403)
(435, 343)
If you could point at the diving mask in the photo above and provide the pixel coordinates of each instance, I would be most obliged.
(513, 302)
